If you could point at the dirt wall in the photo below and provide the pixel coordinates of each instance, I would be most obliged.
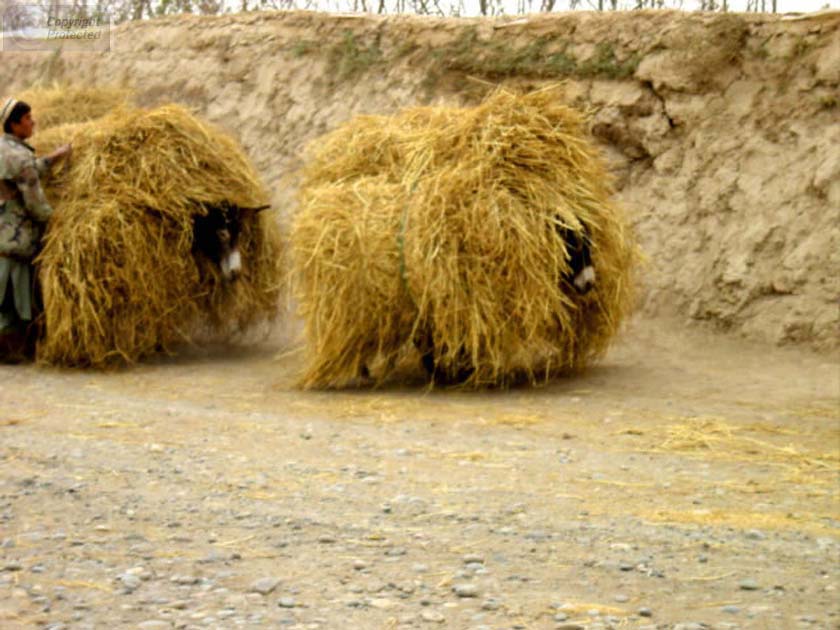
(722, 130)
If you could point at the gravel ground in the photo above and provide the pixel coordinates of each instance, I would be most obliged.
(688, 482)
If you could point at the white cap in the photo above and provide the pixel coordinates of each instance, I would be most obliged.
(8, 106)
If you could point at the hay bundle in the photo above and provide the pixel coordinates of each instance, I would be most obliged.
(58, 104)
(117, 271)
(439, 226)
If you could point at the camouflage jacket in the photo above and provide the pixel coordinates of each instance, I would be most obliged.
(23, 207)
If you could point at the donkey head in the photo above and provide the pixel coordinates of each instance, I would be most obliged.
(216, 235)
(578, 249)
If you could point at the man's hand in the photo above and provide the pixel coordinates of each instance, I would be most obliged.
(60, 152)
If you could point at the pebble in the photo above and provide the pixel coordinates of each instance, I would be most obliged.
(645, 612)
(265, 585)
(621, 598)
(382, 603)
(732, 610)
(755, 534)
(154, 624)
(358, 565)
(570, 626)
(130, 582)
(40, 600)
(211, 557)
(561, 616)
(538, 536)
(473, 558)
(184, 579)
(432, 616)
(376, 587)
(490, 604)
(142, 572)
(748, 585)
(286, 602)
(465, 590)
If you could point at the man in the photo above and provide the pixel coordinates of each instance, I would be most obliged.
(23, 213)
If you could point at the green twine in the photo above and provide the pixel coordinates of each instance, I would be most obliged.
(401, 244)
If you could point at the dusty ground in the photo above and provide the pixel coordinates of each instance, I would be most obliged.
(688, 477)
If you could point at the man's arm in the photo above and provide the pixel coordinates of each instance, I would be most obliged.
(33, 195)
(43, 164)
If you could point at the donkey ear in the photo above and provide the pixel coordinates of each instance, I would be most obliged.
(249, 213)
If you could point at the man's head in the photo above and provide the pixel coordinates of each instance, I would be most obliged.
(17, 118)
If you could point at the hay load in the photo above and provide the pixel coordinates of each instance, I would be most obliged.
(453, 232)
(119, 275)
(55, 105)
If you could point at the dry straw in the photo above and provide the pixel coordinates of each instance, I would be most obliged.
(60, 104)
(440, 224)
(119, 278)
